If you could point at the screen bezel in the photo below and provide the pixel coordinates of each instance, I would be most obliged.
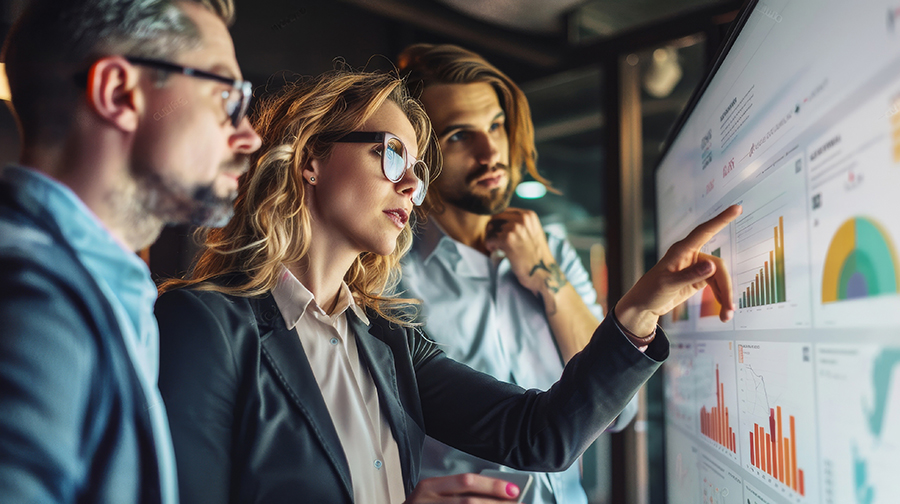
(723, 51)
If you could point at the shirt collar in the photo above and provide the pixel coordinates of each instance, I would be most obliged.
(293, 299)
(432, 242)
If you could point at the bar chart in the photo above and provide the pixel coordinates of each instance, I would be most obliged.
(717, 396)
(773, 449)
(777, 412)
(768, 285)
(715, 423)
(770, 252)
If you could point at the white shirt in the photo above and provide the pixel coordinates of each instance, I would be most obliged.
(347, 387)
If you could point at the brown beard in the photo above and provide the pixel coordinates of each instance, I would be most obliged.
(495, 202)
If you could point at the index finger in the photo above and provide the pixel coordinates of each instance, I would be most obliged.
(704, 232)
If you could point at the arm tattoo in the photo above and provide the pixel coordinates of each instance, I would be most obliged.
(556, 279)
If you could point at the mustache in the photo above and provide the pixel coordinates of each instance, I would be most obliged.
(485, 169)
(240, 164)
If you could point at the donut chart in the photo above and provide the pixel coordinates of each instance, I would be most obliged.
(861, 262)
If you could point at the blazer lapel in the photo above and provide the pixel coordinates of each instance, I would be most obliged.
(379, 360)
(284, 352)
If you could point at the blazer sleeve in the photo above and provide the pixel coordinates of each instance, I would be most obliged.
(533, 430)
(48, 358)
(198, 379)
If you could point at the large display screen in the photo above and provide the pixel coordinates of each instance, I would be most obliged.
(797, 399)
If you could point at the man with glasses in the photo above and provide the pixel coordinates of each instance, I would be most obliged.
(500, 294)
(101, 172)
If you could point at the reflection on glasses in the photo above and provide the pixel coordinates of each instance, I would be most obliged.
(237, 99)
(395, 160)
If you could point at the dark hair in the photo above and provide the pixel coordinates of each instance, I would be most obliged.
(55, 40)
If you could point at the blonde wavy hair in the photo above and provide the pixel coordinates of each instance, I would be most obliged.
(424, 65)
(271, 224)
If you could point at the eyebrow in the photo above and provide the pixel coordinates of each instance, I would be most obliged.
(467, 126)
(223, 71)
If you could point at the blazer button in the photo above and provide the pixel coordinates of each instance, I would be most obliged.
(378, 464)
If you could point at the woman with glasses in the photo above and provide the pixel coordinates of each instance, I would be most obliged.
(292, 374)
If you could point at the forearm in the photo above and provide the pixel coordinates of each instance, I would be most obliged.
(570, 319)
(539, 431)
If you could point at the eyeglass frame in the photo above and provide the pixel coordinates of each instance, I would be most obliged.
(245, 87)
(410, 162)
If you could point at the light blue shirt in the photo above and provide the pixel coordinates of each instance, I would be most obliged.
(480, 314)
(125, 281)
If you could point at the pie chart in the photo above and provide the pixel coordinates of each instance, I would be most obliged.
(861, 262)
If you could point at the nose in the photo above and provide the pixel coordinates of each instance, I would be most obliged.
(245, 140)
(487, 150)
(407, 185)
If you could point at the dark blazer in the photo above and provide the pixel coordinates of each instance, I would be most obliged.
(250, 425)
(73, 422)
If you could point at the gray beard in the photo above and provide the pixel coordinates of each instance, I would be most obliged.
(173, 203)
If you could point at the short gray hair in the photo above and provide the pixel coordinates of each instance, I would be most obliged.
(55, 40)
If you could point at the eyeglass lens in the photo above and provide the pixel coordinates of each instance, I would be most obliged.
(395, 167)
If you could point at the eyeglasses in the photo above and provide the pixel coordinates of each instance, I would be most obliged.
(395, 160)
(237, 99)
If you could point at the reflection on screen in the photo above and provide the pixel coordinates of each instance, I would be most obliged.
(797, 399)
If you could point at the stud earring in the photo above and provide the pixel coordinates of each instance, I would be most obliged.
(312, 179)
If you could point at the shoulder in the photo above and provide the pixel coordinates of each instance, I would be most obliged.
(33, 247)
(189, 300)
(42, 282)
(204, 334)
(201, 314)
(408, 339)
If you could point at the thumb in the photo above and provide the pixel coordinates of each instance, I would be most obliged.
(697, 272)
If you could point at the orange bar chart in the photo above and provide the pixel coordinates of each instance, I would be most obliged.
(715, 423)
(776, 454)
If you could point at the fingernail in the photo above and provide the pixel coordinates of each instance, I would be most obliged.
(512, 490)
(704, 268)
(729, 314)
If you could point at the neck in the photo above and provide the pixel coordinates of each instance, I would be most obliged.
(463, 226)
(95, 167)
(323, 269)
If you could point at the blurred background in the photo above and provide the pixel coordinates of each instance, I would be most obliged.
(606, 80)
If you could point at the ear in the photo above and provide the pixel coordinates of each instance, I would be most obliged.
(113, 93)
(312, 171)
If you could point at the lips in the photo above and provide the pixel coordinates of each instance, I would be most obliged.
(398, 215)
(492, 179)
